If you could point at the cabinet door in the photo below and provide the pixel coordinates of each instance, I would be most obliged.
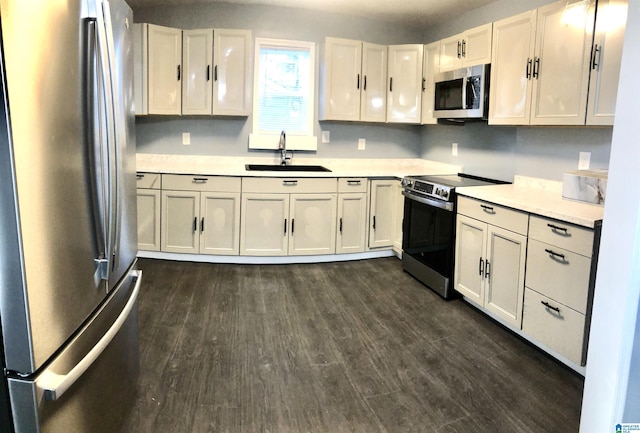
(605, 62)
(451, 53)
(398, 215)
(476, 45)
(197, 52)
(264, 224)
(313, 224)
(352, 222)
(373, 103)
(220, 223)
(404, 96)
(471, 238)
(165, 70)
(504, 274)
(563, 49)
(232, 72)
(180, 211)
(149, 219)
(381, 232)
(429, 69)
(140, 67)
(511, 69)
(341, 80)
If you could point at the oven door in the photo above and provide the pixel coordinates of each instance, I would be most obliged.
(428, 241)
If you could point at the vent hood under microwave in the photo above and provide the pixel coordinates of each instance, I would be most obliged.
(462, 93)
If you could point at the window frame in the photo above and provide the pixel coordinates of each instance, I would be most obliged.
(295, 141)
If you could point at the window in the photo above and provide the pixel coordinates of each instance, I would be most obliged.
(283, 95)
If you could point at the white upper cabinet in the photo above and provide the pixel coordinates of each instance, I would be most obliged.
(197, 85)
(430, 67)
(164, 69)
(540, 77)
(473, 47)
(611, 18)
(140, 68)
(232, 72)
(404, 92)
(353, 81)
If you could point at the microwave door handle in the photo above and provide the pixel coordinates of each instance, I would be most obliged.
(465, 83)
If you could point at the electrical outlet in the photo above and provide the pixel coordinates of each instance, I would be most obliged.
(326, 136)
(361, 143)
(584, 161)
(454, 149)
(186, 138)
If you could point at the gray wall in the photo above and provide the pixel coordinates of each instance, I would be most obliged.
(229, 136)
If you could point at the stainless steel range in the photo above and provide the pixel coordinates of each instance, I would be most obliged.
(428, 228)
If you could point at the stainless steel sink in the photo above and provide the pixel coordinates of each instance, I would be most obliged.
(277, 167)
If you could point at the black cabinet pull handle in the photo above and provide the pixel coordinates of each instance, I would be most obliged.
(374, 222)
(486, 208)
(289, 182)
(195, 223)
(293, 225)
(556, 228)
(554, 254)
(459, 49)
(208, 72)
(139, 176)
(424, 84)
(358, 82)
(364, 87)
(481, 267)
(202, 225)
(200, 180)
(215, 73)
(353, 182)
(596, 54)
(464, 48)
(486, 268)
(285, 226)
(340, 225)
(391, 84)
(549, 306)
(529, 65)
(178, 72)
(536, 68)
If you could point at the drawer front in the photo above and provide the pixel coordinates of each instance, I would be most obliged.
(183, 182)
(148, 180)
(280, 185)
(564, 235)
(561, 331)
(559, 274)
(500, 216)
(355, 184)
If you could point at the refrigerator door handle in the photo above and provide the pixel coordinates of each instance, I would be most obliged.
(54, 385)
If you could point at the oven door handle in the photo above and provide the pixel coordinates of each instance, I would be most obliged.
(446, 205)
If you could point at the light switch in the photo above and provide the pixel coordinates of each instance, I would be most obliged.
(186, 138)
(584, 161)
(454, 149)
(326, 136)
(361, 143)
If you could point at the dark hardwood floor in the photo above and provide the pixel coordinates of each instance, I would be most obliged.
(333, 347)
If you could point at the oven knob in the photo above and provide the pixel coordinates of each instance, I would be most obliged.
(406, 182)
(445, 194)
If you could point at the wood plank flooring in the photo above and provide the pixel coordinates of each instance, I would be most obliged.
(333, 347)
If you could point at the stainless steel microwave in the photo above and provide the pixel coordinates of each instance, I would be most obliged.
(462, 93)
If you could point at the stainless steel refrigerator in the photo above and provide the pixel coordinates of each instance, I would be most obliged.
(68, 276)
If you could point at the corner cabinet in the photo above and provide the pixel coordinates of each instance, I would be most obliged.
(404, 91)
(288, 216)
(200, 214)
(148, 193)
(353, 81)
(473, 47)
(491, 244)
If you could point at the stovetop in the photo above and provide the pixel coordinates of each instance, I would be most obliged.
(442, 187)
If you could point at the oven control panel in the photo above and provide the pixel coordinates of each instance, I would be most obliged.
(427, 189)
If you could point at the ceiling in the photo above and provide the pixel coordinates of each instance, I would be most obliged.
(410, 12)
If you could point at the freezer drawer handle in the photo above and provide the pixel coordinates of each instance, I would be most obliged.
(54, 385)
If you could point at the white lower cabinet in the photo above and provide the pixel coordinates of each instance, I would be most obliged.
(200, 214)
(298, 219)
(491, 247)
(148, 197)
(381, 213)
(352, 215)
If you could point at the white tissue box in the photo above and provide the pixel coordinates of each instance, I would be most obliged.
(589, 186)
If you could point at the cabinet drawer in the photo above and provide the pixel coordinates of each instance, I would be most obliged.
(278, 185)
(510, 219)
(184, 182)
(564, 235)
(148, 180)
(559, 274)
(561, 331)
(352, 184)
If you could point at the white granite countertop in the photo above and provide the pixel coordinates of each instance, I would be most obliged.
(542, 197)
(235, 166)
